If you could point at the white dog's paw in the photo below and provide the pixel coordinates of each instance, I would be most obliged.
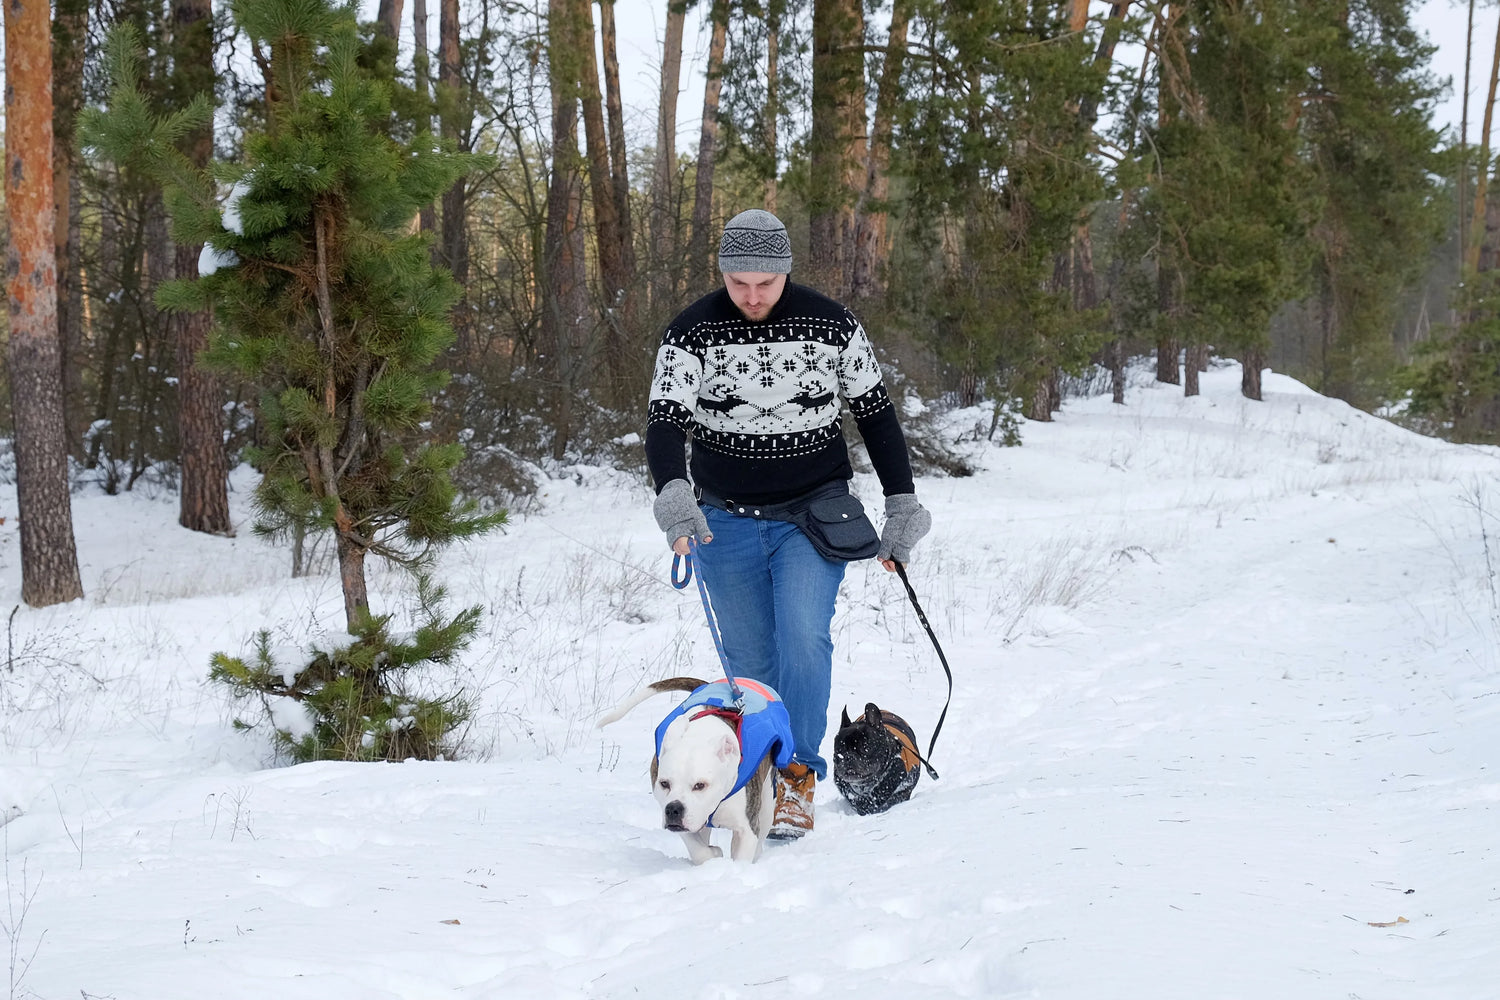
(699, 857)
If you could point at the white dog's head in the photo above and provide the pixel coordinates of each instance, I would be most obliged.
(697, 767)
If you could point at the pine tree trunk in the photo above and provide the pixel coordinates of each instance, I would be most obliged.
(422, 71)
(388, 18)
(1463, 141)
(612, 275)
(1172, 69)
(838, 154)
(873, 249)
(625, 311)
(49, 558)
(1250, 369)
(1190, 368)
(455, 126)
(1167, 348)
(1482, 181)
(204, 491)
(663, 225)
(1116, 351)
(69, 29)
(565, 292)
(773, 99)
(326, 469)
(701, 269)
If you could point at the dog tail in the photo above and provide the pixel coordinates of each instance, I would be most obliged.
(650, 691)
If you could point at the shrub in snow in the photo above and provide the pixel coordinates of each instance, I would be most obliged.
(356, 702)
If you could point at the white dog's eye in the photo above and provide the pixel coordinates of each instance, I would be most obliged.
(666, 785)
(699, 786)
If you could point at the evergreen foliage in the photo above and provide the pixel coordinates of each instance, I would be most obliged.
(322, 294)
(353, 702)
(1231, 198)
(1375, 160)
(998, 168)
(1452, 386)
(325, 298)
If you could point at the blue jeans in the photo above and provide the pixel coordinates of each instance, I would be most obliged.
(773, 595)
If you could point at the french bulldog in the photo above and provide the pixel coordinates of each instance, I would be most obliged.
(875, 760)
(699, 772)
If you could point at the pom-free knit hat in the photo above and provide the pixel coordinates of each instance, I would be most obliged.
(755, 240)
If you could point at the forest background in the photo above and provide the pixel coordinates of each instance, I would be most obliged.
(1016, 198)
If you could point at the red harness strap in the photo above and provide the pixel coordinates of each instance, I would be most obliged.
(737, 716)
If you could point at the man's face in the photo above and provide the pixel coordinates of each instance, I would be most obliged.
(754, 292)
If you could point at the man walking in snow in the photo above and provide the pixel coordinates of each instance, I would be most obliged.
(754, 373)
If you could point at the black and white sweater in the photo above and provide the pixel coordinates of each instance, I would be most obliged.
(761, 400)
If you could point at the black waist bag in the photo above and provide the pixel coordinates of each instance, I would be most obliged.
(830, 516)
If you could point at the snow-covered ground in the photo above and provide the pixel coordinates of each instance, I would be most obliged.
(1226, 725)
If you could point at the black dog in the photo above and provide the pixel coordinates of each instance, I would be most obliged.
(875, 760)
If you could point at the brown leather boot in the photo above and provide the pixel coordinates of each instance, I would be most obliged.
(794, 802)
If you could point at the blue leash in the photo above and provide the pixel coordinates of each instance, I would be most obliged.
(708, 612)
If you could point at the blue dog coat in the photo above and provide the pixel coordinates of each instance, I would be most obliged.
(764, 727)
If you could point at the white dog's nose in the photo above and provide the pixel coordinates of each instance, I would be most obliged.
(672, 815)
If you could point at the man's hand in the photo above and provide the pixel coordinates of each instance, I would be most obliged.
(678, 516)
(906, 522)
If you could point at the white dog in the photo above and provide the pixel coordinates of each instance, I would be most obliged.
(716, 761)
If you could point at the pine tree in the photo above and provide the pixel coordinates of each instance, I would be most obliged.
(1231, 197)
(1382, 209)
(997, 164)
(322, 295)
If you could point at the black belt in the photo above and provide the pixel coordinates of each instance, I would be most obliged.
(786, 510)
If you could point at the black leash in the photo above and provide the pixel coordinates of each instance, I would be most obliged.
(922, 617)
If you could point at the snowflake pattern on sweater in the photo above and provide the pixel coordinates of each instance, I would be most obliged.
(768, 388)
(762, 399)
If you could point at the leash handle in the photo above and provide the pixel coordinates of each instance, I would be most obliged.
(708, 613)
(922, 617)
(684, 565)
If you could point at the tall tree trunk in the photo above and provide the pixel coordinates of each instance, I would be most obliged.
(1250, 368)
(663, 225)
(49, 558)
(455, 126)
(623, 318)
(565, 296)
(388, 18)
(200, 414)
(612, 276)
(701, 268)
(1190, 367)
(1116, 354)
(422, 72)
(873, 249)
(1172, 70)
(773, 99)
(1167, 303)
(838, 154)
(69, 29)
(1463, 141)
(1482, 181)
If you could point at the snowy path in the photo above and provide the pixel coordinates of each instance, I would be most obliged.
(1228, 693)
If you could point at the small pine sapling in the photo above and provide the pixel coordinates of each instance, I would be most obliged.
(355, 702)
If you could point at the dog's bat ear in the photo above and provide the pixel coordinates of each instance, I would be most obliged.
(872, 713)
(846, 717)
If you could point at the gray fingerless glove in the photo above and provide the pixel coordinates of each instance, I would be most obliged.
(677, 512)
(906, 522)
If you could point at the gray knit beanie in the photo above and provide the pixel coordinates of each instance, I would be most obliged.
(755, 240)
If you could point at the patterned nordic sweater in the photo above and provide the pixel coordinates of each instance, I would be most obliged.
(761, 400)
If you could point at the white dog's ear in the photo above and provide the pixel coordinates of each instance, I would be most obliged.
(728, 747)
